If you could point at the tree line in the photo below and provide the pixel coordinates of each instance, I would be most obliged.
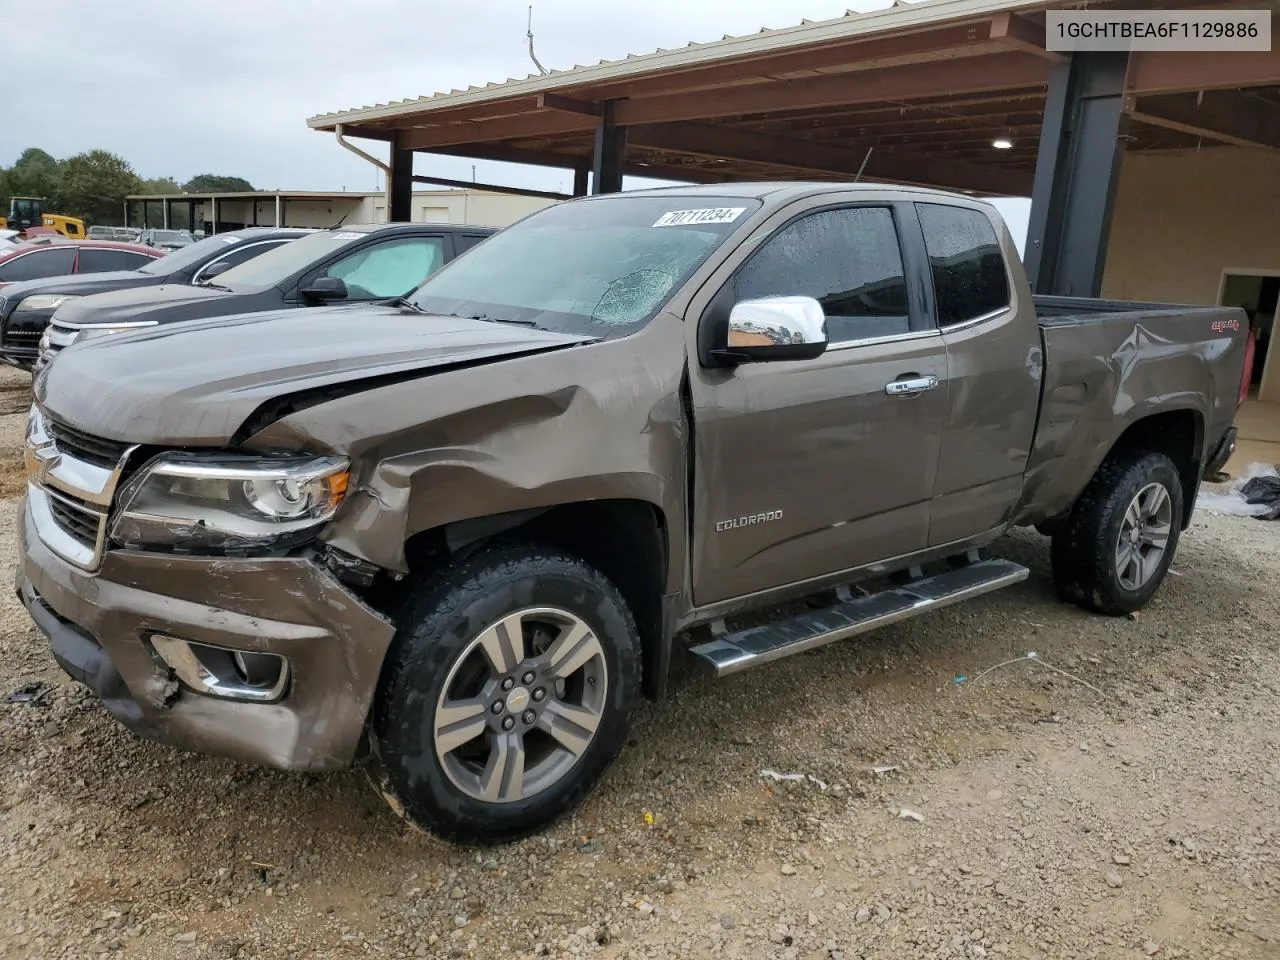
(93, 185)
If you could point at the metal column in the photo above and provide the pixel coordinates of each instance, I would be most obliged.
(400, 185)
(164, 212)
(213, 217)
(580, 181)
(610, 153)
(279, 223)
(1077, 170)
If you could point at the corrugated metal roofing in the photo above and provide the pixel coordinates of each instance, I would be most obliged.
(902, 16)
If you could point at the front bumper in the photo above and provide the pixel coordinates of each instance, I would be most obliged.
(98, 625)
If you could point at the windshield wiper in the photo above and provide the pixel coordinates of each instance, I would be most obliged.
(404, 303)
(215, 286)
(489, 319)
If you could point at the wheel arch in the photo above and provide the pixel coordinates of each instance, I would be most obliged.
(1179, 435)
(627, 540)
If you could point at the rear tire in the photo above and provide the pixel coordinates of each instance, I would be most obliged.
(1113, 551)
(505, 695)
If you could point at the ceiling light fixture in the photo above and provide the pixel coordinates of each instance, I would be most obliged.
(1002, 143)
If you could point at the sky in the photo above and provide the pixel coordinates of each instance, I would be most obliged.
(181, 88)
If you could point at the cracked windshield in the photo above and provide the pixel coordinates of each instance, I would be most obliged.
(602, 269)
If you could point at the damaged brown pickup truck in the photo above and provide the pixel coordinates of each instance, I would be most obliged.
(466, 529)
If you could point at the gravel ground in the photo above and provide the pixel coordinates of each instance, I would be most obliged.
(1125, 811)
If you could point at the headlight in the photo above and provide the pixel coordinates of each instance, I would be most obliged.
(81, 334)
(195, 502)
(44, 302)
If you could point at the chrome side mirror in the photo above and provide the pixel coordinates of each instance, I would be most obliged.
(775, 328)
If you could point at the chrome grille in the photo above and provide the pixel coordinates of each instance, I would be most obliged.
(55, 339)
(103, 453)
(78, 519)
(71, 482)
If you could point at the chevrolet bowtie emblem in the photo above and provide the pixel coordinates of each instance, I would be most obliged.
(41, 460)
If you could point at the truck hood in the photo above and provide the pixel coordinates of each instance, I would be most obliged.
(147, 303)
(195, 384)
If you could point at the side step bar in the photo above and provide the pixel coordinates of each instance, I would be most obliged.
(732, 652)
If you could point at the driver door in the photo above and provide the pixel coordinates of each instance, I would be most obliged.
(807, 468)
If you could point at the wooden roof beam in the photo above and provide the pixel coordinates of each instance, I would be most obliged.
(740, 145)
(544, 123)
(1019, 33)
(490, 187)
(865, 53)
(961, 77)
(1228, 116)
(553, 101)
(635, 166)
(1152, 72)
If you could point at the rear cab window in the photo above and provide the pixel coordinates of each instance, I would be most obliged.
(970, 276)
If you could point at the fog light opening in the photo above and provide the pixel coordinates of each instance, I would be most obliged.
(258, 669)
(222, 672)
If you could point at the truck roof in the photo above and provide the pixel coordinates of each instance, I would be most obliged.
(786, 190)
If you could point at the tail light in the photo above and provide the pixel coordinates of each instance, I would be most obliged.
(1246, 378)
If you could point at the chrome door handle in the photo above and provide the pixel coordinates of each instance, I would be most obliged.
(898, 388)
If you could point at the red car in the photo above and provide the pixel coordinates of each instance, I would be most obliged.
(55, 257)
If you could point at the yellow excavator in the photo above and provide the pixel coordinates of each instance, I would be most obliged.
(28, 212)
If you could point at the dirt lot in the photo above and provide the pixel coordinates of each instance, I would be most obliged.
(1125, 812)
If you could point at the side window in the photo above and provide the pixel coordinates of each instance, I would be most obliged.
(462, 242)
(969, 275)
(390, 269)
(99, 261)
(38, 265)
(238, 255)
(848, 260)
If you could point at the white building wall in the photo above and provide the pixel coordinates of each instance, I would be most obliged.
(465, 207)
(1183, 217)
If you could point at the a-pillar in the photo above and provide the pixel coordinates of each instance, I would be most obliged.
(609, 154)
(1077, 170)
(400, 184)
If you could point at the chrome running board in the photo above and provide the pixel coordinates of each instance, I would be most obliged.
(730, 653)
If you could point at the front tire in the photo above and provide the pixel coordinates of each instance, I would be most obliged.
(506, 694)
(1113, 551)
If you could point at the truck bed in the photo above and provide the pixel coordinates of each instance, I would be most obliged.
(1053, 311)
(1116, 361)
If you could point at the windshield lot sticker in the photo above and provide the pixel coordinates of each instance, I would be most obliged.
(229, 239)
(346, 236)
(684, 218)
